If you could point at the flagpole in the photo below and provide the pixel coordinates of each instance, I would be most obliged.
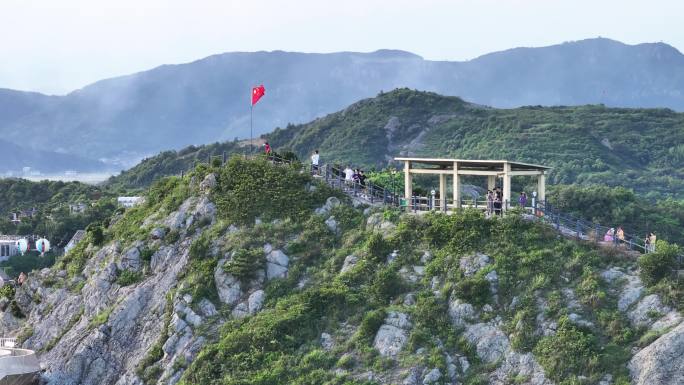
(251, 123)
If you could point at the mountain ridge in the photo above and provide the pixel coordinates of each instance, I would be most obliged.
(172, 106)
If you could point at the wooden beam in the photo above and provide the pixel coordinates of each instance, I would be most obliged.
(432, 171)
(522, 173)
(408, 188)
(457, 186)
(507, 185)
(477, 172)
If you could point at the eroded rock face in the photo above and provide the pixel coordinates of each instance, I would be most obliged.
(228, 287)
(662, 362)
(474, 263)
(276, 264)
(349, 263)
(393, 335)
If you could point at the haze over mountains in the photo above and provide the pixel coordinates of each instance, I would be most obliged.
(122, 119)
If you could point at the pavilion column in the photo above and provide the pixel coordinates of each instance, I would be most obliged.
(408, 187)
(541, 187)
(491, 182)
(506, 184)
(457, 187)
(442, 191)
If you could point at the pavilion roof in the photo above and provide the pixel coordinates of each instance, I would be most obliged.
(474, 164)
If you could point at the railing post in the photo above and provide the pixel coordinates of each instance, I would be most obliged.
(370, 191)
(224, 157)
(577, 228)
(356, 188)
(384, 196)
(598, 234)
(413, 199)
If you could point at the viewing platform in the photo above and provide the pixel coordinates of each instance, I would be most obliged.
(17, 366)
(493, 170)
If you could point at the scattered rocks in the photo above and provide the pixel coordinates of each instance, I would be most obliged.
(208, 183)
(410, 299)
(327, 341)
(392, 256)
(579, 321)
(207, 308)
(256, 301)
(432, 377)
(228, 287)
(332, 224)
(349, 263)
(392, 335)
(330, 203)
(490, 342)
(157, 233)
(460, 312)
(647, 311)
(276, 264)
(474, 263)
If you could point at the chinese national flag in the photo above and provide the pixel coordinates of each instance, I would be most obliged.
(257, 93)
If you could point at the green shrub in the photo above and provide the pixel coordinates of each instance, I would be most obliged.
(569, 352)
(386, 285)
(96, 233)
(378, 248)
(659, 264)
(7, 291)
(199, 249)
(247, 189)
(245, 263)
(369, 326)
(474, 290)
(128, 277)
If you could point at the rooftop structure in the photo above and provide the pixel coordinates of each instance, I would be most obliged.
(455, 168)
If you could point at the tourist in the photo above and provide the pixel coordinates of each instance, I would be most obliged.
(267, 148)
(490, 202)
(22, 278)
(647, 243)
(315, 158)
(522, 200)
(610, 235)
(349, 175)
(497, 204)
(652, 241)
(620, 235)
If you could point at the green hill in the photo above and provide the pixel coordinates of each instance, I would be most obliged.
(641, 149)
(208, 282)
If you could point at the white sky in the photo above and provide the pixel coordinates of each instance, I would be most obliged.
(56, 46)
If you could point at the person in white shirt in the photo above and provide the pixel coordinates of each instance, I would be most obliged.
(315, 158)
(349, 175)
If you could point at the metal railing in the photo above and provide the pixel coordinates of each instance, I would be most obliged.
(8, 342)
(580, 228)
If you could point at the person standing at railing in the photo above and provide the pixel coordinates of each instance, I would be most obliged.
(490, 202)
(522, 200)
(315, 158)
(362, 181)
(652, 242)
(610, 235)
(348, 175)
(620, 235)
(267, 151)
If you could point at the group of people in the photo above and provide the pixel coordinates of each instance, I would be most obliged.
(618, 236)
(495, 201)
(354, 176)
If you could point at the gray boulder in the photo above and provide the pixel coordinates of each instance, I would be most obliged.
(392, 335)
(349, 263)
(228, 287)
(256, 301)
(474, 263)
(662, 362)
(460, 312)
(276, 264)
(432, 377)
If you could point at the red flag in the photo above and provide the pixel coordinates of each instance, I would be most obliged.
(257, 93)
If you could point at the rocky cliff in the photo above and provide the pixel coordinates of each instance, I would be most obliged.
(211, 282)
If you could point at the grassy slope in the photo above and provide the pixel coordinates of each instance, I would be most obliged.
(281, 344)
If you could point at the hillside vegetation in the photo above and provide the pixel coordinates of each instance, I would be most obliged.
(252, 273)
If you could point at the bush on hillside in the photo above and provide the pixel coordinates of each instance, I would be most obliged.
(250, 189)
(658, 265)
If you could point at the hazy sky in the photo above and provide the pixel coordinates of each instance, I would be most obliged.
(56, 46)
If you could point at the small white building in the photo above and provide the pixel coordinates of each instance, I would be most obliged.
(8, 247)
(129, 201)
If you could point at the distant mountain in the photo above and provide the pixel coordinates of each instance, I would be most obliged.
(122, 119)
(641, 149)
(15, 158)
